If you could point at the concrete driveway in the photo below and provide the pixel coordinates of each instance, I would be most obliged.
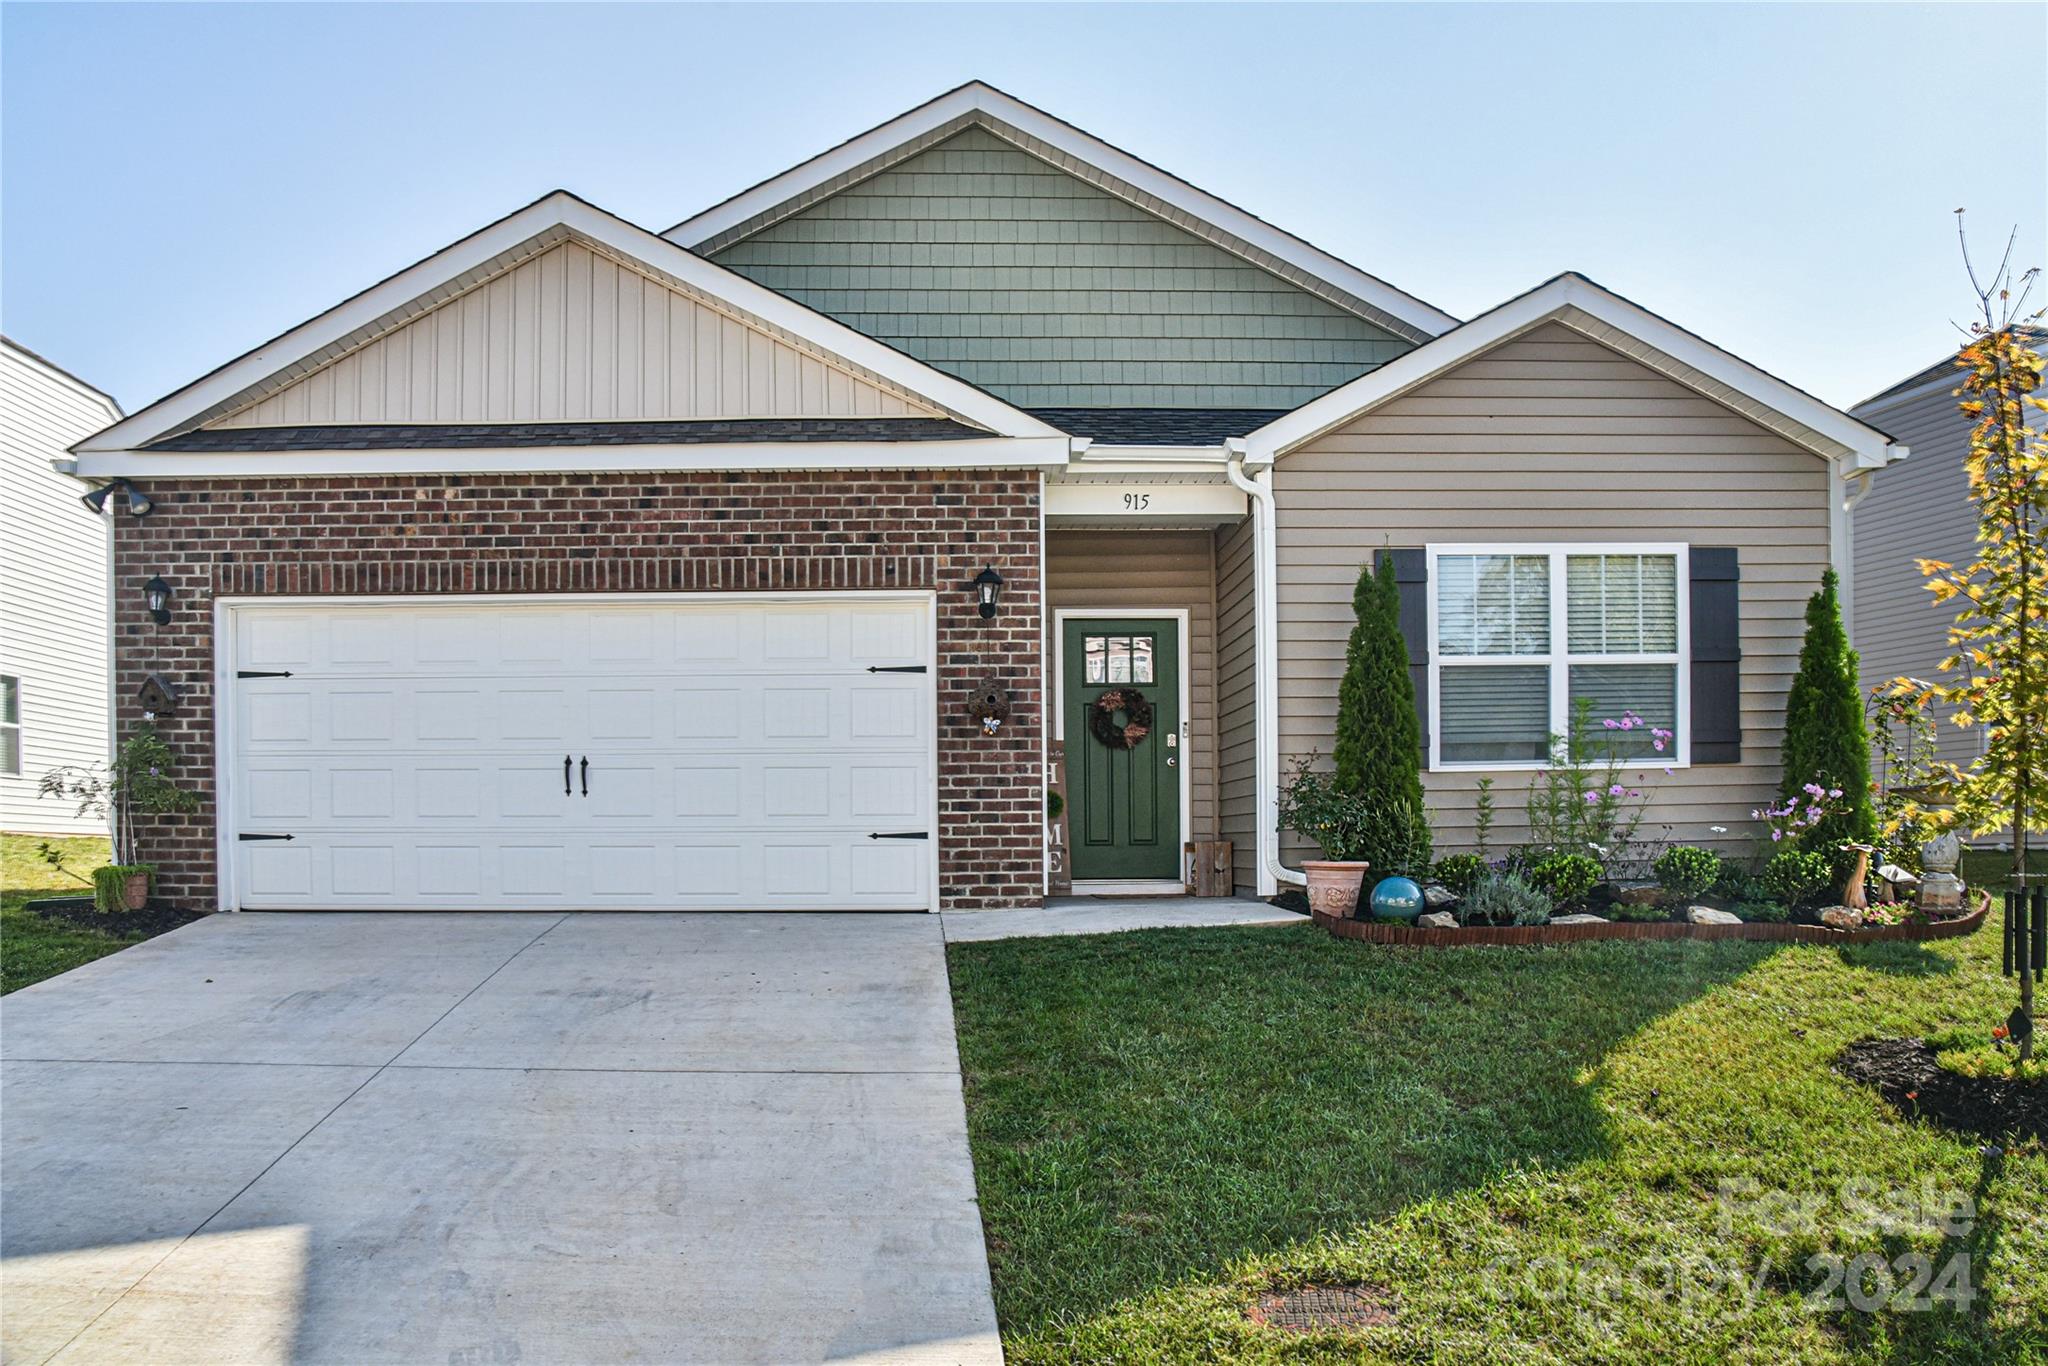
(493, 1139)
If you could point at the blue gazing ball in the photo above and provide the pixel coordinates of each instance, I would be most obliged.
(1396, 898)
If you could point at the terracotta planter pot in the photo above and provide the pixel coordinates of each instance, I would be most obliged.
(1334, 886)
(135, 891)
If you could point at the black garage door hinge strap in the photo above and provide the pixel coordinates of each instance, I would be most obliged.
(902, 835)
(263, 673)
(246, 836)
(895, 668)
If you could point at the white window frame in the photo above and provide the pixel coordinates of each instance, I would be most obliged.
(1560, 656)
(20, 745)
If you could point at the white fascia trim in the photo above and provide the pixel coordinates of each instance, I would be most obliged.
(988, 453)
(976, 97)
(1858, 446)
(562, 210)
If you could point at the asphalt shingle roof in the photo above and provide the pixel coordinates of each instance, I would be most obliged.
(434, 437)
(1158, 426)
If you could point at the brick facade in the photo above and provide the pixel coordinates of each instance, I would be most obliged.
(597, 533)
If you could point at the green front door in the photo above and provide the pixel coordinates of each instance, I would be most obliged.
(1123, 797)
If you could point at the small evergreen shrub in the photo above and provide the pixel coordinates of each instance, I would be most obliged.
(1506, 899)
(110, 886)
(1827, 741)
(1796, 876)
(1686, 870)
(1639, 911)
(1379, 737)
(1459, 871)
(1732, 879)
(1565, 878)
(1762, 912)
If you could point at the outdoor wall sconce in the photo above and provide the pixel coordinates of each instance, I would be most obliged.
(157, 594)
(140, 504)
(988, 589)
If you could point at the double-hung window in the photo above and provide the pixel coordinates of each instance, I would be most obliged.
(10, 725)
(1522, 635)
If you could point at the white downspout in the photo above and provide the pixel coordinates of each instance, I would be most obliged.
(1265, 671)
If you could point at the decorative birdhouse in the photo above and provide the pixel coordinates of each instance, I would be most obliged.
(158, 695)
(989, 704)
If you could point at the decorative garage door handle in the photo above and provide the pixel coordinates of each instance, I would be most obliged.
(901, 835)
(565, 775)
(584, 767)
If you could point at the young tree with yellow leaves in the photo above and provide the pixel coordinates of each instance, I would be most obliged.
(1997, 676)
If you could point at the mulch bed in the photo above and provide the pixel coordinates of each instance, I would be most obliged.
(1905, 1074)
(155, 918)
(1376, 932)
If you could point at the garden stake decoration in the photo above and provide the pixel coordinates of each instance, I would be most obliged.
(2026, 951)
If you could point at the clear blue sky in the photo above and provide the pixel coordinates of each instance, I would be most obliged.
(183, 182)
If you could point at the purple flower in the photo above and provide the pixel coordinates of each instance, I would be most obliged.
(1777, 835)
(1592, 797)
(1610, 723)
(1834, 792)
(1615, 791)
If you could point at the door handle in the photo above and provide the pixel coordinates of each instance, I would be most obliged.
(565, 775)
(585, 769)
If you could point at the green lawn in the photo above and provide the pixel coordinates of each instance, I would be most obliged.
(32, 948)
(1521, 1146)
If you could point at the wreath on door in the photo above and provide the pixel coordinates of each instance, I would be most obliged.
(1137, 723)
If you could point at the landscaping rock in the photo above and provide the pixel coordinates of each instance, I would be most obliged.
(1707, 915)
(1437, 920)
(1841, 918)
(1437, 896)
(1580, 919)
(1897, 876)
(1638, 893)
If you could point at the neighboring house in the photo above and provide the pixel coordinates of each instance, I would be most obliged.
(53, 594)
(1916, 509)
(581, 566)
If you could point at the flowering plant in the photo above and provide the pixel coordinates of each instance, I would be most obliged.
(1798, 814)
(1581, 803)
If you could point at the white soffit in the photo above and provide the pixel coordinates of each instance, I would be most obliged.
(536, 228)
(1080, 154)
(1615, 322)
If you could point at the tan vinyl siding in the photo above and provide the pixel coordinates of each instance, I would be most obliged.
(1918, 508)
(572, 336)
(1153, 569)
(53, 589)
(1554, 437)
(1236, 720)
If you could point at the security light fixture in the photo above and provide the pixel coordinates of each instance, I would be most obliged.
(157, 594)
(988, 588)
(140, 504)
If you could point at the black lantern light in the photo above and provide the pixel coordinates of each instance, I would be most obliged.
(140, 504)
(157, 594)
(988, 589)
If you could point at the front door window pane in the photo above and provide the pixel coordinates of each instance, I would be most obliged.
(1095, 650)
(1141, 659)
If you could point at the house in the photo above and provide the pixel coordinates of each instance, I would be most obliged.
(1917, 509)
(53, 594)
(761, 562)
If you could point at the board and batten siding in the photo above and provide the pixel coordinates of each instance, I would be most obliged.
(991, 264)
(53, 589)
(1237, 791)
(1552, 436)
(573, 336)
(1919, 507)
(1152, 569)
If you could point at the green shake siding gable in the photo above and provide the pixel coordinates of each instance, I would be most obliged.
(984, 261)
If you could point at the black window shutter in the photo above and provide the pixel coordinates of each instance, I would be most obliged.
(1411, 577)
(1716, 657)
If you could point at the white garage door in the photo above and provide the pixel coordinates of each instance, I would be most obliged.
(603, 753)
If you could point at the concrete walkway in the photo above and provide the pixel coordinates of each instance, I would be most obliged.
(493, 1138)
(1108, 915)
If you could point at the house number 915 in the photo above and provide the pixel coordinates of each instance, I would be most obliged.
(1137, 502)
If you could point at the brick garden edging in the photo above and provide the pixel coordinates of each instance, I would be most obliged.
(1371, 932)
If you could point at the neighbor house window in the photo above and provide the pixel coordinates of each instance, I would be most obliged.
(10, 725)
(1521, 635)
